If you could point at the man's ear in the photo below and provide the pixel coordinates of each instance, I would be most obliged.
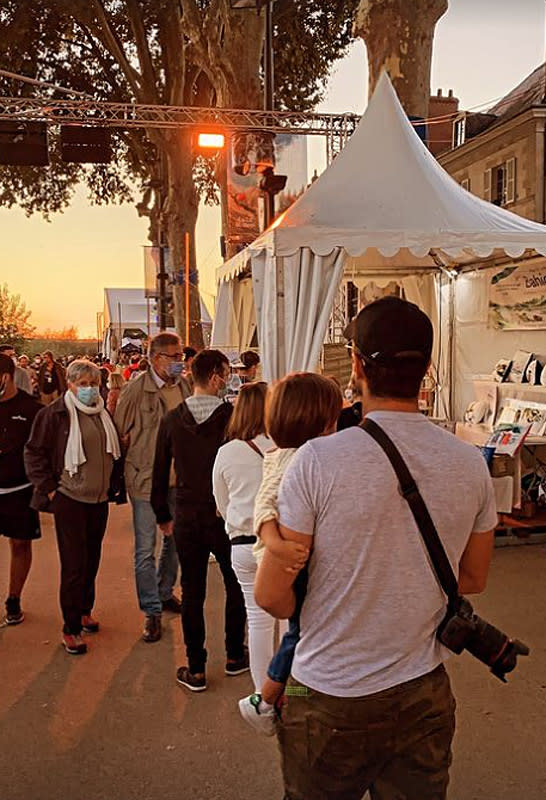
(358, 369)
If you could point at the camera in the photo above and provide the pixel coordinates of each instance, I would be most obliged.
(462, 629)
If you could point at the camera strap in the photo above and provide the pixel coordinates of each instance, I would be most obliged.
(410, 492)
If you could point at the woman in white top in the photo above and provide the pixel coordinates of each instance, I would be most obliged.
(236, 478)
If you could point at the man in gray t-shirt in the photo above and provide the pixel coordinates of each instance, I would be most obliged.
(369, 702)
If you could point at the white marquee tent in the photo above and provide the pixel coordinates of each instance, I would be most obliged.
(383, 210)
(128, 318)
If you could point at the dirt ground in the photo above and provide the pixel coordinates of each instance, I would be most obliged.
(113, 725)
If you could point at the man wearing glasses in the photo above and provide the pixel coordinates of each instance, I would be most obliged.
(141, 407)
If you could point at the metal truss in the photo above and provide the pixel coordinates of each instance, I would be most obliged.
(336, 127)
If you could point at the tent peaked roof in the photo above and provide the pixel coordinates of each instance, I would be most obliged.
(385, 191)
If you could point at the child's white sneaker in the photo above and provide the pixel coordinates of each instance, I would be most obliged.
(260, 715)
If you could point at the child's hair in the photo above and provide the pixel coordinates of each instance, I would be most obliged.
(300, 407)
(248, 418)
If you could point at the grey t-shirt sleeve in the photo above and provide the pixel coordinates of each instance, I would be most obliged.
(487, 517)
(298, 492)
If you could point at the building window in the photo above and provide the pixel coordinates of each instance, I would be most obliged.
(499, 183)
(459, 133)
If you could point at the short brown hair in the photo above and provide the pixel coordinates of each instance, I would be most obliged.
(302, 406)
(248, 418)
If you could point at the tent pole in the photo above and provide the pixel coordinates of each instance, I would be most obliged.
(280, 300)
(451, 330)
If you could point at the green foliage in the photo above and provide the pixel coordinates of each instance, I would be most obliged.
(309, 37)
(59, 347)
(93, 46)
(14, 318)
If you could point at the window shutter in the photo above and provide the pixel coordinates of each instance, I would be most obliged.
(487, 185)
(465, 183)
(510, 180)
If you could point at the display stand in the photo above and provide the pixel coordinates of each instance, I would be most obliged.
(512, 529)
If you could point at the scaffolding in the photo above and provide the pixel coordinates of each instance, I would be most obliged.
(336, 128)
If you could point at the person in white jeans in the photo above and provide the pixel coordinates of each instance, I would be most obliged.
(236, 478)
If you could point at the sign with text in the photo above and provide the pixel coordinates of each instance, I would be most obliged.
(517, 298)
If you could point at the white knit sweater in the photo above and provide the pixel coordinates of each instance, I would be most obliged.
(265, 506)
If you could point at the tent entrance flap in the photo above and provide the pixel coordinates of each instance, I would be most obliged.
(294, 297)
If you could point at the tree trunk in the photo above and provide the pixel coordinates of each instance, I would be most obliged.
(180, 217)
(238, 86)
(398, 36)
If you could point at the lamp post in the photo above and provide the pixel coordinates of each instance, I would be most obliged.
(269, 77)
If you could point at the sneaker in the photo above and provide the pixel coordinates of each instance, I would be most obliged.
(172, 604)
(14, 614)
(192, 682)
(89, 625)
(238, 666)
(73, 644)
(152, 628)
(261, 721)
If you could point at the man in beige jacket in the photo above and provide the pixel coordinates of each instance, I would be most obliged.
(141, 407)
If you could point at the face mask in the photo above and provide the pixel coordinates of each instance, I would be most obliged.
(234, 383)
(88, 395)
(176, 368)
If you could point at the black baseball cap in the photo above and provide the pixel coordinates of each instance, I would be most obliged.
(391, 329)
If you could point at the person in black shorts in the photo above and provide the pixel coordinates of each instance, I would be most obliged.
(18, 522)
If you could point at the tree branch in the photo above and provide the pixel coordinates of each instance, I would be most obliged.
(149, 77)
(106, 34)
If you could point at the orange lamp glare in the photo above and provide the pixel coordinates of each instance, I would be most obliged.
(211, 141)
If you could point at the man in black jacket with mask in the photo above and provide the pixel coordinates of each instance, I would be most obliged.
(192, 435)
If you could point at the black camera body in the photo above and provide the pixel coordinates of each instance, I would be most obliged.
(462, 629)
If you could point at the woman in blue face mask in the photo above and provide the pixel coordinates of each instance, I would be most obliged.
(70, 460)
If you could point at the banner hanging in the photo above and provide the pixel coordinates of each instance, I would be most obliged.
(517, 298)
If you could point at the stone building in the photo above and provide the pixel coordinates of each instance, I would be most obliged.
(500, 155)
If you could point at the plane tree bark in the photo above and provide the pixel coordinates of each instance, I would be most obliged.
(399, 37)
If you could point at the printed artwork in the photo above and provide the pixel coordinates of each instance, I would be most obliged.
(517, 298)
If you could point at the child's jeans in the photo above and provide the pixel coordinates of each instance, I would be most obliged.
(281, 663)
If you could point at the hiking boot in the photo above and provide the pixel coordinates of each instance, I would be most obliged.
(238, 666)
(172, 604)
(195, 683)
(14, 614)
(152, 628)
(89, 625)
(74, 645)
(262, 721)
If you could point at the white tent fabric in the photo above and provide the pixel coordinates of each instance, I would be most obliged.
(383, 207)
(235, 320)
(288, 342)
(387, 192)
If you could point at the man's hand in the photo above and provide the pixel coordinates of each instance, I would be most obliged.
(292, 554)
(51, 495)
(166, 528)
(125, 441)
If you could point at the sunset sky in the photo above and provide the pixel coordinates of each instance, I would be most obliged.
(483, 48)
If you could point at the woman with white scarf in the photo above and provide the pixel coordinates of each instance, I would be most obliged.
(70, 460)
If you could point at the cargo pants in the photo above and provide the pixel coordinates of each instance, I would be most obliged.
(395, 743)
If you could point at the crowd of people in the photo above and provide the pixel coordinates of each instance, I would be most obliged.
(302, 512)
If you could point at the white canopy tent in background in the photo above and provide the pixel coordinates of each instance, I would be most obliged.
(383, 210)
(127, 311)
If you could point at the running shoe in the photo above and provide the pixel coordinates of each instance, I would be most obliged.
(89, 625)
(261, 721)
(74, 645)
(14, 613)
(195, 683)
